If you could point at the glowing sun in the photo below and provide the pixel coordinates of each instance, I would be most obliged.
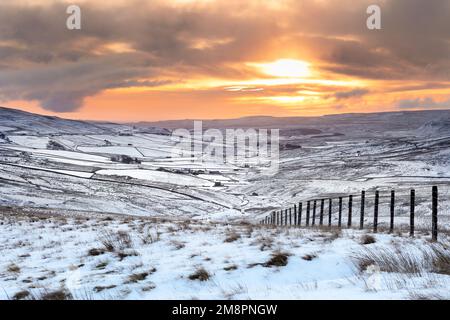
(285, 68)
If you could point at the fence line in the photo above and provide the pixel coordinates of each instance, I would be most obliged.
(292, 216)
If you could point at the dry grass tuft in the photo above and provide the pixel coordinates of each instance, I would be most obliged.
(230, 268)
(200, 274)
(56, 295)
(102, 265)
(116, 241)
(13, 268)
(388, 260)
(309, 257)
(24, 294)
(416, 260)
(278, 259)
(178, 245)
(128, 253)
(150, 236)
(96, 252)
(425, 296)
(102, 288)
(232, 237)
(440, 259)
(136, 277)
(368, 239)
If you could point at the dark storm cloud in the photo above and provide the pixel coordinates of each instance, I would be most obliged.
(42, 60)
(62, 87)
(414, 40)
(59, 68)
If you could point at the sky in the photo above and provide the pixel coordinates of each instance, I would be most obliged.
(139, 60)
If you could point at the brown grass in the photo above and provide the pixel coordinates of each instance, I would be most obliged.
(13, 268)
(230, 268)
(95, 252)
(101, 265)
(389, 260)
(309, 257)
(440, 259)
(200, 274)
(429, 258)
(278, 259)
(232, 237)
(128, 253)
(177, 244)
(116, 241)
(136, 277)
(21, 295)
(56, 295)
(367, 239)
(101, 288)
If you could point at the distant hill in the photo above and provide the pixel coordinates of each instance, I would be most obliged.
(423, 122)
(342, 123)
(30, 123)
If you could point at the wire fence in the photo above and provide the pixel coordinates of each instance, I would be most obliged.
(411, 210)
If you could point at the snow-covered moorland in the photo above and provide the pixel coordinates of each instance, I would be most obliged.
(102, 211)
(48, 256)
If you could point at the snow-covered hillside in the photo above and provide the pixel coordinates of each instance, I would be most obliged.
(56, 163)
(62, 182)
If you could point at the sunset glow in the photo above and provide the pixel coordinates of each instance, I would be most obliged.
(226, 59)
(286, 68)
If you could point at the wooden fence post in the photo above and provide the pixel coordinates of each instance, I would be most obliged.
(290, 217)
(363, 204)
(308, 208)
(314, 213)
(375, 211)
(330, 207)
(285, 217)
(434, 214)
(412, 212)
(295, 214)
(278, 218)
(340, 213)
(391, 226)
(350, 209)
(322, 206)
(299, 220)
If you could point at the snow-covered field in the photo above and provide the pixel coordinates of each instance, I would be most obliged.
(122, 177)
(117, 257)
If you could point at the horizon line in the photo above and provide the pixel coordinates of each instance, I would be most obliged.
(224, 119)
